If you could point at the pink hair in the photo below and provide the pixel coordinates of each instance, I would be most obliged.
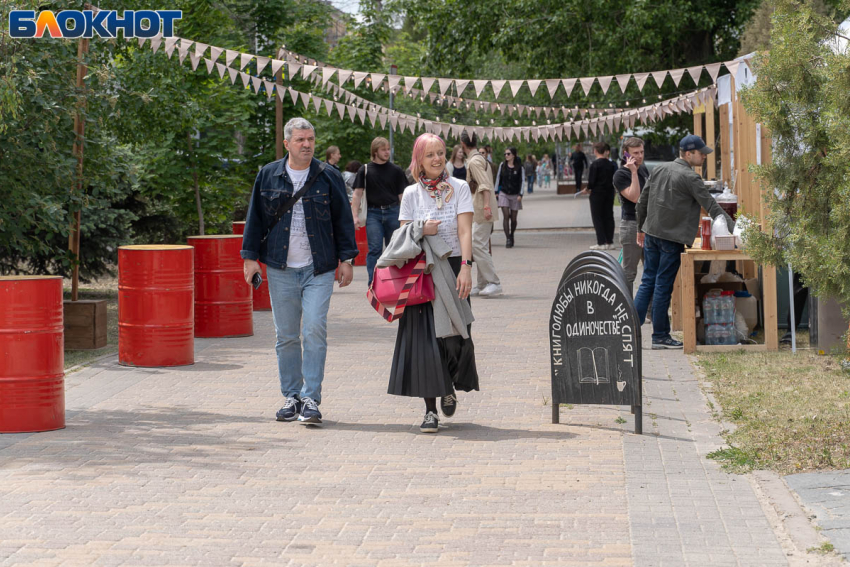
(418, 156)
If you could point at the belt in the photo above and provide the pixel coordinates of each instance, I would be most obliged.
(384, 207)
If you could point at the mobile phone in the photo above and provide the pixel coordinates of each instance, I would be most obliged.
(626, 155)
(257, 280)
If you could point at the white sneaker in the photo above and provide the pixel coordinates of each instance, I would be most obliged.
(491, 289)
(475, 291)
(597, 247)
(614, 246)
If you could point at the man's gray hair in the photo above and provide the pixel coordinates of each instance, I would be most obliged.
(297, 123)
(632, 142)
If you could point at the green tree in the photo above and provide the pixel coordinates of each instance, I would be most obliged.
(803, 97)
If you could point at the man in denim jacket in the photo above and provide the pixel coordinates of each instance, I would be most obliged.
(301, 253)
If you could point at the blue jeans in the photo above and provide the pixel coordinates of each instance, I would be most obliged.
(530, 181)
(380, 225)
(300, 303)
(661, 261)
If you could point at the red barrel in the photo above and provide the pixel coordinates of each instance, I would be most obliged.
(156, 322)
(32, 356)
(362, 246)
(223, 300)
(262, 301)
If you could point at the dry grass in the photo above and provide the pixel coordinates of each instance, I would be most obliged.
(791, 412)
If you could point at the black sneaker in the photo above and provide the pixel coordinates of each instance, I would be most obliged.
(448, 405)
(668, 343)
(310, 414)
(290, 410)
(431, 423)
(786, 339)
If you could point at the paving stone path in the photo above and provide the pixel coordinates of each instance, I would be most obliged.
(186, 466)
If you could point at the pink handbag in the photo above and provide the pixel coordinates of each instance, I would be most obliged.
(400, 287)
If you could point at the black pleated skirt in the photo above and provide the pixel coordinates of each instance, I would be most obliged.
(425, 366)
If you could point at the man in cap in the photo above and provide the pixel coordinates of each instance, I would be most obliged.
(668, 214)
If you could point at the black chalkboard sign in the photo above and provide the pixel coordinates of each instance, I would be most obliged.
(594, 339)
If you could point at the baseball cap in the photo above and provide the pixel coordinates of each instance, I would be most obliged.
(694, 142)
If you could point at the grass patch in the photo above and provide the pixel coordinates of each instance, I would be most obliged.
(620, 420)
(77, 357)
(824, 548)
(791, 412)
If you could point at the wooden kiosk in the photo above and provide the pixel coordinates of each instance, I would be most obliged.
(742, 142)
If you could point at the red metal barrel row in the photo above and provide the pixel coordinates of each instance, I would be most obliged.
(32, 354)
(362, 246)
(262, 301)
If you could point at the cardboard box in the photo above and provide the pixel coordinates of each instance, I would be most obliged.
(85, 324)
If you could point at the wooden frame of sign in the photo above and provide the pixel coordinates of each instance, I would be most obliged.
(594, 338)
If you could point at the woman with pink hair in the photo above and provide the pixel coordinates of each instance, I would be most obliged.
(424, 365)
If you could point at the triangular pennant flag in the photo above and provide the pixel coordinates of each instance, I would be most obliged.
(584, 127)
(343, 75)
(569, 85)
(695, 73)
(537, 111)
(640, 79)
(200, 49)
(317, 103)
(713, 70)
(515, 86)
(261, 63)
(221, 69)
(373, 118)
(393, 121)
(229, 56)
(533, 85)
(659, 77)
(155, 43)
(593, 127)
(329, 106)
(377, 80)
(408, 84)
(444, 85)
(383, 119)
(293, 67)
(327, 74)
(427, 82)
(497, 86)
(210, 65)
(576, 130)
(605, 82)
(358, 78)
(182, 55)
(215, 53)
(552, 86)
(340, 108)
(352, 112)
(586, 83)
(293, 94)
(362, 115)
(269, 88)
(305, 100)
(142, 41)
(460, 85)
(244, 59)
(479, 87)
(185, 44)
(392, 82)
(256, 82)
(233, 74)
(307, 70)
(246, 78)
(623, 81)
(170, 42)
(617, 119)
(195, 60)
(276, 65)
(280, 95)
(677, 76)
(733, 70)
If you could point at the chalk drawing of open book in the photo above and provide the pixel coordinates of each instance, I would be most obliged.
(593, 365)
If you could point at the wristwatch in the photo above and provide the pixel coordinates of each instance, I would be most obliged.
(466, 263)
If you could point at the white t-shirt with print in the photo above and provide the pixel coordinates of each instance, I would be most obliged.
(417, 204)
(299, 255)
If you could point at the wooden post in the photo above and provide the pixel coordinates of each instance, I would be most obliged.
(711, 162)
(689, 321)
(278, 113)
(698, 132)
(676, 304)
(79, 137)
(724, 144)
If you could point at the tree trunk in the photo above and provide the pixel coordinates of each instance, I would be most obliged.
(197, 186)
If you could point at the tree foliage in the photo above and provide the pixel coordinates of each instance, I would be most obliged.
(803, 97)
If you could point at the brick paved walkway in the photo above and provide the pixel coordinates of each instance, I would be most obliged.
(187, 466)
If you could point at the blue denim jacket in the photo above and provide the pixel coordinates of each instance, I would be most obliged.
(330, 226)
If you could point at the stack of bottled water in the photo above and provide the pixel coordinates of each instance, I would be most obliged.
(718, 309)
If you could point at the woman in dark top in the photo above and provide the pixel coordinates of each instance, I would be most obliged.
(456, 166)
(510, 184)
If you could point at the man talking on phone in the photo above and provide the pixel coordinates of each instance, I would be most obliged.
(299, 224)
(629, 181)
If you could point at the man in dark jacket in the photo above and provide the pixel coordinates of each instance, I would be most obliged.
(301, 250)
(668, 219)
(578, 160)
(600, 184)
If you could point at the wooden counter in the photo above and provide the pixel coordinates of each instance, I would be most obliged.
(688, 306)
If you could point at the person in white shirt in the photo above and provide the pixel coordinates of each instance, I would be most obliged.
(425, 366)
